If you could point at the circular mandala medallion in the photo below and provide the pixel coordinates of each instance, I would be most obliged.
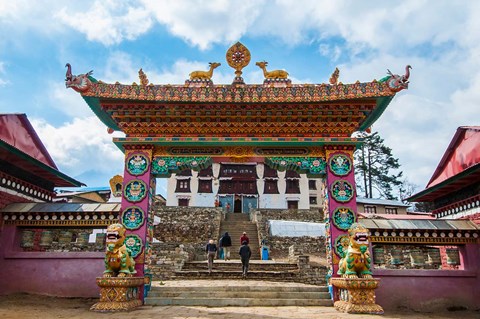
(342, 191)
(134, 244)
(341, 245)
(340, 164)
(343, 218)
(137, 164)
(133, 217)
(135, 190)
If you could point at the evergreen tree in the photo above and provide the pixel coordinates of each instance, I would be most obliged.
(374, 164)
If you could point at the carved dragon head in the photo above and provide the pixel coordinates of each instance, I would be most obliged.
(397, 82)
(80, 83)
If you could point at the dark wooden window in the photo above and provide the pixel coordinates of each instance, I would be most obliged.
(237, 187)
(292, 204)
(371, 209)
(206, 172)
(183, 186)
(185, 172)
(246, 171)
(183, 202)
(391, 210)
(291, 174)
(269, 172)
(313, 200)
(293, 186)
(205, 186)
(312, 184)
(271, 186)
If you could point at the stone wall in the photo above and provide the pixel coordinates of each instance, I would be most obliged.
(181, 236)
(279, 246)
(310, 274)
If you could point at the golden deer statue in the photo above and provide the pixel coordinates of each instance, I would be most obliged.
(204, 75)
(275, 74)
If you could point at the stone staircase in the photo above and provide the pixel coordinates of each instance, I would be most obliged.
(232, 269)
(235, 224)
(238, 293)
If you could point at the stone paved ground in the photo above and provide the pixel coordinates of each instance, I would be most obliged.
(23, 306)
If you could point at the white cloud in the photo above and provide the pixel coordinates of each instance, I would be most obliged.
(67, 101)
(2, 72)
(206, 21)
(81, 145)
(108, 21)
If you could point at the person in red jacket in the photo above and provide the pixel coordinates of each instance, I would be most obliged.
(244, 238)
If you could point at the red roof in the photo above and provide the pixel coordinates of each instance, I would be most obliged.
(462, 153)
(20, 146)
(16, 130)
(458, 168)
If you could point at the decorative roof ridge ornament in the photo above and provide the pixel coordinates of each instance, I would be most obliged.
(334, 77)
(80, 83)
(202, 78)
(143, 77)
(275, 78)
(238, 57)
(396, 82)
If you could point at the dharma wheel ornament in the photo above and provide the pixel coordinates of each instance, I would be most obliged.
(238, 57)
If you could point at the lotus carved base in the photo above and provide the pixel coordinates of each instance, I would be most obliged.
(118, 293)
(357, 295)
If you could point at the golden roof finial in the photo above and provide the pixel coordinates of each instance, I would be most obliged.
(238, 57)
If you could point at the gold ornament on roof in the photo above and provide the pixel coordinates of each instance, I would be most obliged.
(275, 74)
(204, 75)
(334, 77)
(143, 78)
(238, 57)
(116, 187)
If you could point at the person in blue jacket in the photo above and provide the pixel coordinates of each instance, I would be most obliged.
(245, 253)
(226, 244)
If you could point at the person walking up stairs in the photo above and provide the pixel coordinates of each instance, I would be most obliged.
(245, 254)
(237, 223)
(226, 241)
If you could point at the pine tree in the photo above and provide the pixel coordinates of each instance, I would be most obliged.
(374, 164)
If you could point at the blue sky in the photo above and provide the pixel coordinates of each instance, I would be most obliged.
(169, 39)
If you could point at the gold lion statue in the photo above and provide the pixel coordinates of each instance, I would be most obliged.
(118, 259)
(356, 261)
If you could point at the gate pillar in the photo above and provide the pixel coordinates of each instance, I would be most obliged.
(137, 198)
(342, 204)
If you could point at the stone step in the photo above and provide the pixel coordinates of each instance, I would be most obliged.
(238, 293)
(236, 302)
(237, 217)
(234, 264)
(236, 274)
(243, 288)
(241, 294)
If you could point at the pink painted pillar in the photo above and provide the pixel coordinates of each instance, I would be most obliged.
(136, 200)
(342, 204)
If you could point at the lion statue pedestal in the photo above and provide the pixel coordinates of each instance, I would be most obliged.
(119, 290)
(357, 287)
(357, 295)
(118, 293)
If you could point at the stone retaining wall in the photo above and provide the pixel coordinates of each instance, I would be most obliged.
(181, 236)
(279, 246)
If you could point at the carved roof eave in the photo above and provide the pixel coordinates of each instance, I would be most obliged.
(228, 94)
(233, 142)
